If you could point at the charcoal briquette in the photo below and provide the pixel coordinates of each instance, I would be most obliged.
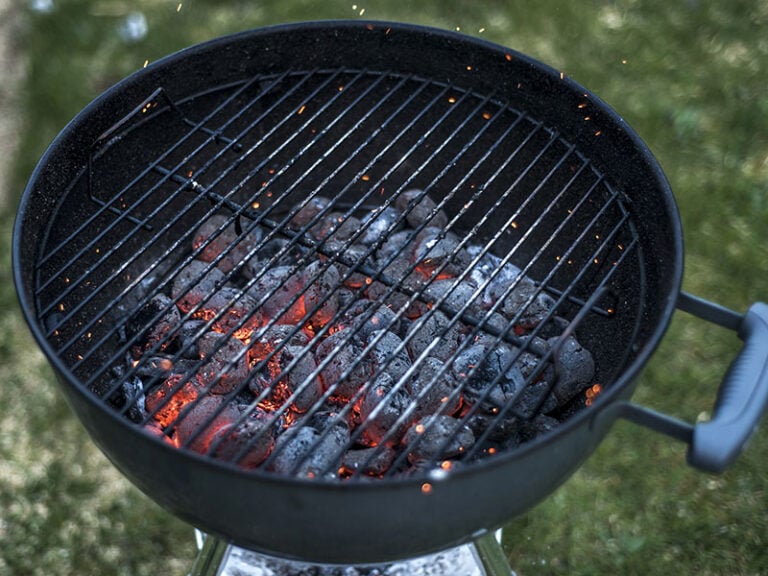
(373, 461)
(388, 353)
(187, 338)
(232, 311)
(250, 440)
(204, 419)
(380, 223)
(345, 352)
(277, 335)
(527, 305)
(218, 237)
(274, 291)
(419, 208)
(310, 210)
(454, 295)
(395, 245)
(225, 363)
(381, 408)
(335, 226)
(574, 368)
(151, 325)
(433, 387)
(538, 426)
(306, 452)
(321, 281)
(424, 331)
(299, 379)
(434, 247)
(195, 283)
(365, 316)
(437, 438)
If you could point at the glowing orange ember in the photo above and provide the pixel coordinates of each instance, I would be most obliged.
(591, 393)
(170, 398)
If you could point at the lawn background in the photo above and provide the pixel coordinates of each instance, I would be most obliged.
(690, 76)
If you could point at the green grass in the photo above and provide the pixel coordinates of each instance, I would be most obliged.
(688, 75)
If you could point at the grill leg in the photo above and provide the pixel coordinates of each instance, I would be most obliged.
(491, 555)
(211, 557)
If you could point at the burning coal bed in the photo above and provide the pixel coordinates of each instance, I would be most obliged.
(273, 355)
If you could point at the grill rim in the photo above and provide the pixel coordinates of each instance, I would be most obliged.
(606, 398)
(597, 417)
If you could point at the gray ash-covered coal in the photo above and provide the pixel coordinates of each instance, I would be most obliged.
(349, 345)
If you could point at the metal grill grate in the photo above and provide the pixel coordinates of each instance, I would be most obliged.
(262, 152)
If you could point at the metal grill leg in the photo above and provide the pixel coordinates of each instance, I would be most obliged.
(491, 555)
(211, 558)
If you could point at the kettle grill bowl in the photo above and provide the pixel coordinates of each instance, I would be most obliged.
(318, 520)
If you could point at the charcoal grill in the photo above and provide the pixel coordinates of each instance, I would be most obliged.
(529, 170)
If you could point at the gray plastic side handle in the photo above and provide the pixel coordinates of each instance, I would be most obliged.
(741, 401)
(742, 398)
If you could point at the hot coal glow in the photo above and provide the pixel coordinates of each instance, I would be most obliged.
(264, 353)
